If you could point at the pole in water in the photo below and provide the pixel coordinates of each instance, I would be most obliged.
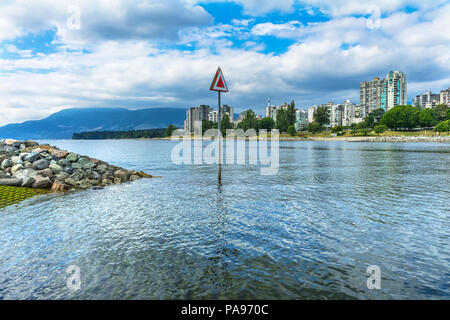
(219, 85)
(219, 136)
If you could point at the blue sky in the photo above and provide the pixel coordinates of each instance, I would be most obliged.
(145, 53)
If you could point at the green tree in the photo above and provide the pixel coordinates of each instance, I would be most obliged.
(206, 125)
(443, 126)
(322, 115)
(291, 130)
(337, 129)
(427, 118)
(440, 112)
(374, 117)
(266, 123)
(354, 131)
(291, 113)
(249, 121)
(314, 127)
(380, 129)
(170, 129)
(282, 122)
(401, 117)
(365, 131)
(225, 124)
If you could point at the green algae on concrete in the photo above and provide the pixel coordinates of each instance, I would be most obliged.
(13, 195)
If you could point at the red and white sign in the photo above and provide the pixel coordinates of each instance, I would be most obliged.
(219, 83)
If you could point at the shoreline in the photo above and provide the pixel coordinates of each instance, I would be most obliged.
(389, 139)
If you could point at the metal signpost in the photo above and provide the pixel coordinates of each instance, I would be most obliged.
(220, 86)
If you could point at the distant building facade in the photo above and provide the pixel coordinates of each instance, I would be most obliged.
(204, 112)
(311, 111)
(225, 109)
(301, 119)
(445, 97)
(349, 113)
(196, 114)
(271, 111)
(427, 100)
(384, 93)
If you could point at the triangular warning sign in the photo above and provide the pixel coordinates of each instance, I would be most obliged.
(219, 83)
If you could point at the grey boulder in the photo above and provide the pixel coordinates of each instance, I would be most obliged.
(40, 164)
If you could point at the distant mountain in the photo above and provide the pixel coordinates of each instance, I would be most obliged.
(63, 124)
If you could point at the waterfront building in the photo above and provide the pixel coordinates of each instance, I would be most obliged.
(372, 95)
(349, 113)
(271, 111)
(396, 90)
(225, 109)
(445, 97)
(212, 116)
(336, 114)
(196, 114)
(311, 111)
(384, 93)
(301, 119)
(426, 100)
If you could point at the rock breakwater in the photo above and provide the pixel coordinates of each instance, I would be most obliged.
(29, 164)
(401, 139)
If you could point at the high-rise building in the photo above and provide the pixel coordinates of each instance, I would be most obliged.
(301, 119)
(349, 113)
(196, 114)
(426, 100)
(372, 95)
(212, 116)
(225, 109)
(271, 111)
(445, 97)
(311, 111)
(336, 114)
(395, 89)
(383, 93)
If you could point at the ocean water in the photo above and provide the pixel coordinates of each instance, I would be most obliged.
(309, 232)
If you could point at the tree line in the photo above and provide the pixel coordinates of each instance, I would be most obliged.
(132, 134)
(405, 117)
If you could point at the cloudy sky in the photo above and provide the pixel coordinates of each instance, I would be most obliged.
(57, 54)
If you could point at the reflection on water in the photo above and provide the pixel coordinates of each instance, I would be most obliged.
(308, 232)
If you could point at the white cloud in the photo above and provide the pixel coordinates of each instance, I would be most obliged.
(325, 64)
(22, 53)
(101, 19)
(282, 30)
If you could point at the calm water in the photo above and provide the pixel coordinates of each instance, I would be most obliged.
(309, 232)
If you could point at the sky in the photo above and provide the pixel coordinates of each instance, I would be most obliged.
(58, 54)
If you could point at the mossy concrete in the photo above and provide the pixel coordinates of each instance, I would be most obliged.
(13, 195)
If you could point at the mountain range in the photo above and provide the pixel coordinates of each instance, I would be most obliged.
(63, 124)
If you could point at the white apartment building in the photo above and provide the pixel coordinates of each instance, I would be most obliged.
(311, 111)
(336, 114)
(445, 97)
(271, 111)
(349, 113)
(212, 116)
(427, 100)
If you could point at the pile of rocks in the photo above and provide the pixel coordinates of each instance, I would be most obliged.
(28, 164)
